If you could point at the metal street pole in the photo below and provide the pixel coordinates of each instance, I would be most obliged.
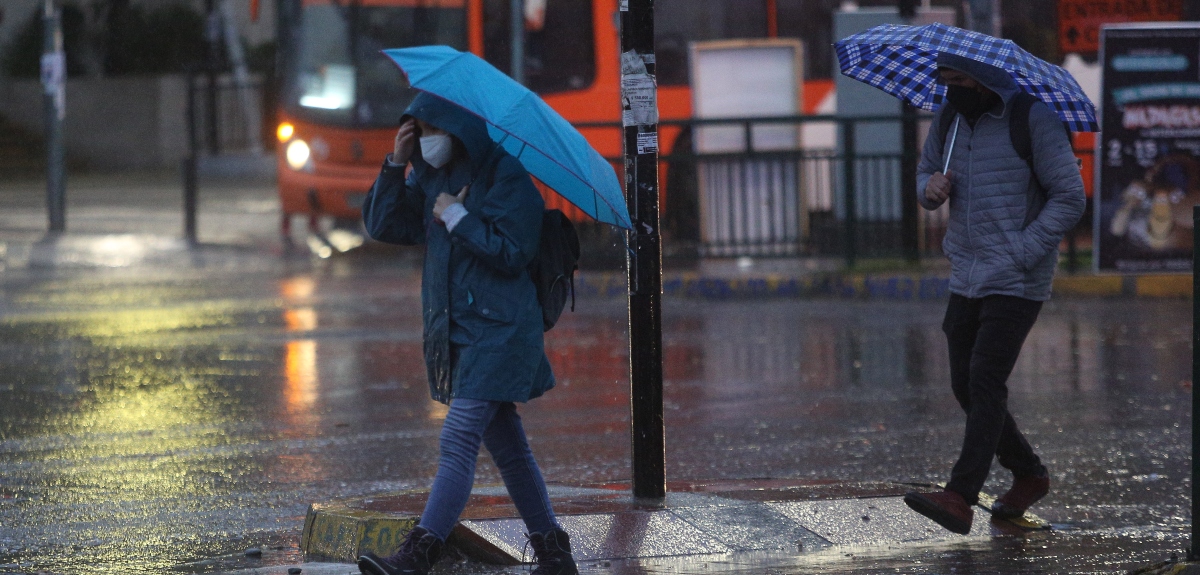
(212, 34)
(1194, 550)
(517, 24)
(909, 224)
(850, 206)
(639, 102)
(54, 104)
(189, 167)
(910, 227)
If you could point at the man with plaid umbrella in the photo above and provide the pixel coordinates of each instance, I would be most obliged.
(1008, 215)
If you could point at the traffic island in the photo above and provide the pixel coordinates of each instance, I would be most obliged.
(606, 522)
(899, 286)
(1170, 568)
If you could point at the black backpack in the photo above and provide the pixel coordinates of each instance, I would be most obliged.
(553, 268)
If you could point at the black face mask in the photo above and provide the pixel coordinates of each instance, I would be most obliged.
(968, 101)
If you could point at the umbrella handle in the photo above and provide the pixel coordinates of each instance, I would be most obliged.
(950, 153)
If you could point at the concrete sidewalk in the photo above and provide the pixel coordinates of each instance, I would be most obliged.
(607, 523)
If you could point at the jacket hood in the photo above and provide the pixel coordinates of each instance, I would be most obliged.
(993, 78)
(463, 125)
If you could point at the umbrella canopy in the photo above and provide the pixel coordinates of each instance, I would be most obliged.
(529, 129)
(902, 61)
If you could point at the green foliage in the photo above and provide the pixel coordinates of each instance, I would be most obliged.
(131, 39)
(22, 57)
(261, 58)
(160, 40)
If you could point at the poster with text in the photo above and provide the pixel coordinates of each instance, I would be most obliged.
(1148, 155)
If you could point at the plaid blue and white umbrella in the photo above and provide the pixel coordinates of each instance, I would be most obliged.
(902, 61)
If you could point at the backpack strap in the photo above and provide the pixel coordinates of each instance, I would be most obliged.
(1021, 138)
(1018, 127)
(1022, 141)
(1020, 135)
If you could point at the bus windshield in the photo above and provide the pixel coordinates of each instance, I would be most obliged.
(336, 74)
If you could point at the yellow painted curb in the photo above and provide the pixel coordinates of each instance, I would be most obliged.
(342, 531)
(1088, 285)
(336, 532)
(1165, 286)
(1169, 568)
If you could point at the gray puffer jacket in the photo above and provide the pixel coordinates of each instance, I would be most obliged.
(991, 250)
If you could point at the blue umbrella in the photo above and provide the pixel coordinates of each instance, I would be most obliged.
(529, 129)
(902, 61)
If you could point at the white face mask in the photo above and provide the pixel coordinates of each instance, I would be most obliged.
(436, 149)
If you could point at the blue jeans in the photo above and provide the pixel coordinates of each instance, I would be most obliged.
(497, 425)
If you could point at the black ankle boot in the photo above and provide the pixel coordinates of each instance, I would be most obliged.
(553, 552)
(420, 550)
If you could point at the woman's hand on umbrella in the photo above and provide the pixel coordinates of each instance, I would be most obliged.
(446, 200)
(938, 188)
(406, 139)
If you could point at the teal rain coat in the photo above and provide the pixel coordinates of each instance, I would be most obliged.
(482, 320)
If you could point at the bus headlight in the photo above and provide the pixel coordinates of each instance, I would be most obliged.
(298, 154)
(285, 132)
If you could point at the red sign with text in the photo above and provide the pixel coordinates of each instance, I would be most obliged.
(1079, 20)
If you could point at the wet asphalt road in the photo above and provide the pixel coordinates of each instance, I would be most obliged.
(168, 415)
(170, 418)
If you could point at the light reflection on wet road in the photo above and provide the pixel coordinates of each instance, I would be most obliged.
(171, 419)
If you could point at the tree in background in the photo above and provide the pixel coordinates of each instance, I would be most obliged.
(22, 58)
(113, 38)
(1032, 25)
(160, 40)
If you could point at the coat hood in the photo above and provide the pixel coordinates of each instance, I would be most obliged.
(463, 125)
(993, 78)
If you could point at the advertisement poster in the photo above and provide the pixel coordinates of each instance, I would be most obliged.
(1149, 150)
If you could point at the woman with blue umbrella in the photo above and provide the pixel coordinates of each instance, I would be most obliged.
(479, 215)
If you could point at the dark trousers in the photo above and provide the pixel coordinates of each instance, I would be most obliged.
(985, 336)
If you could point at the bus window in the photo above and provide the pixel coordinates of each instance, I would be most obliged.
(680, 22)
(560, 50)
(338, 76)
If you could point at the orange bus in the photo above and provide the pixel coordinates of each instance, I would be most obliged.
(340, 99)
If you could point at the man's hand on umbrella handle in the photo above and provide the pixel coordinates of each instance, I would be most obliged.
(406, 139)
(938, 188)
(446, 200)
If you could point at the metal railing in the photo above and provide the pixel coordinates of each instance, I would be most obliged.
(772, 200)
(218, 116)
(753, 197)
